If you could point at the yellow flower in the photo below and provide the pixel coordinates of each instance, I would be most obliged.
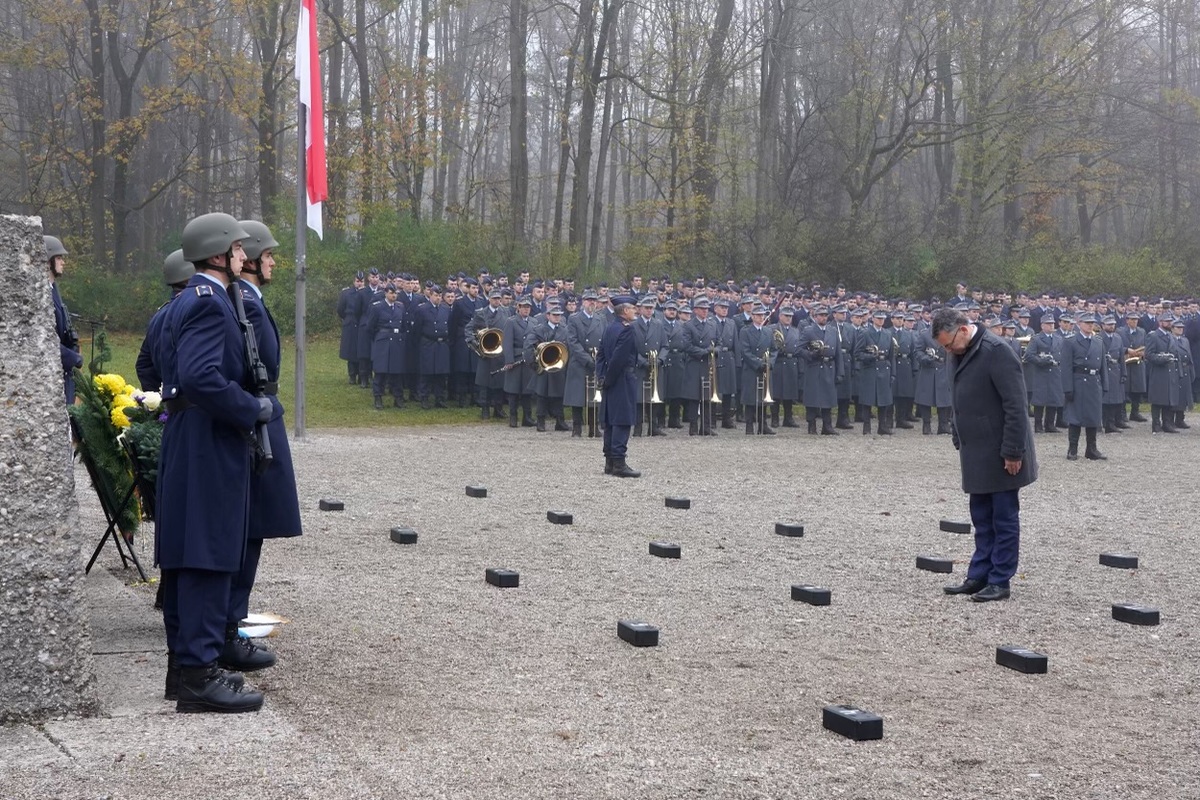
(110, 384)
(119, 420)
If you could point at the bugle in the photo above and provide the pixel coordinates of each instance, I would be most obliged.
(550, 357)
(766, 379)
(654, 398)
(712, 379)
(489, 342)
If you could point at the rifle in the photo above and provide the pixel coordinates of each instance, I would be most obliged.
(256, 370)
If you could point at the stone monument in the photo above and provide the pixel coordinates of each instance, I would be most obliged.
(46, 665)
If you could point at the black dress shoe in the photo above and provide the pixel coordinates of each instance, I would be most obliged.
(969, 586)
(991, 592)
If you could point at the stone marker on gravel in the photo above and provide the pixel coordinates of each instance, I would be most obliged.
(476, 491)
(935, 564)
(638, 634)
(1135, 614)
(329, 504)
(559, 517)
(504, 578)
(853, 723)
(1119, 560)
(404, 536)
(951, 526)
(1021, 659)
(678, 502)
(813, 595)
(789, 529)
(665, 549)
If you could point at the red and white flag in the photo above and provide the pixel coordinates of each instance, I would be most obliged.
(308, 73)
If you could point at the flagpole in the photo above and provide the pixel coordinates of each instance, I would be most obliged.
(298, 407)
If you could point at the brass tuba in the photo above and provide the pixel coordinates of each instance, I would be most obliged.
(489, 342)
(550, 357)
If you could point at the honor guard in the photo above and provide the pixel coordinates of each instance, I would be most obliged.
(1085, 353)
(1044, 354)
(389, 355)
(756, 343)
(820, 348)
(726, 340)
(347, 311)
(518, 373)
(176, 274)
(785, 375)
(433, 331)
(68, 340)
(616, 361)
(904, 378)
(549, 375)
(1133, 337)
(650, 341)
(1162, 376)
(585, 330)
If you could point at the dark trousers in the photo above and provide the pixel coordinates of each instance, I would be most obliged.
(352, 370)
(996, 518)
(195, 607)
(364, 371)
(616, 440)
(434, 385)
(243, 582)
(384, 380)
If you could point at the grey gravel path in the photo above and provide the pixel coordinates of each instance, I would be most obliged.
(404, 675)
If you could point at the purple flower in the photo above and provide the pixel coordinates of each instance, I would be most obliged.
(162, 417)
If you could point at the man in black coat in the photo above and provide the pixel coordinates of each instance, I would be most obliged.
(347, 311)
(995, 447)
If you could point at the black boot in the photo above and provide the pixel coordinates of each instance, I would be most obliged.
(866, 426)
(608, 465)
(827, 428)
(749, 415)
(1092, 452)
(1135, 412)
(885, 421)
(843, 415)
(622, 470)
(727, 413)
(1168, 420)
(576, 424)
(774, 415)
(943, 421)
(1073, 443)
(498, 411)
(1108, 415)
(1037, 420)
(204, 689)
(899, 414)
(693, 427)
(789, 419)
(1179, 423)
(656, 422)
(485, 412)
(926, 427)
(763, 427)
(379, 402)
(541, 425)
(171, 687)
(812, 426)
(1048, 425)
(242, 655)
(638, 420)
(673, 416)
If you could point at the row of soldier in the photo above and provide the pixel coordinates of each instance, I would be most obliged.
(709, 369)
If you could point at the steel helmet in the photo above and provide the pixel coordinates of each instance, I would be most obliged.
(210, 235)
(54, 247)
(259, 238)
(177, 269)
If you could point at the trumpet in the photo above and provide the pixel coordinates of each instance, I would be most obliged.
(591, 396)
(550, 356)
(712, 379)
(488, 342)
(1025, 339)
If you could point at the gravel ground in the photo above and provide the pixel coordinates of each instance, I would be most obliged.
(403, 674)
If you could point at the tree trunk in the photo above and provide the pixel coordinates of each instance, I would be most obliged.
(518, 111)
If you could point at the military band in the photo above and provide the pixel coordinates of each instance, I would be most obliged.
(712, 356)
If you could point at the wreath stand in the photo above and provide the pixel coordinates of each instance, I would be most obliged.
(111, 510)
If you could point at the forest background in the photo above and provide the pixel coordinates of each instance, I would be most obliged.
(895, 145)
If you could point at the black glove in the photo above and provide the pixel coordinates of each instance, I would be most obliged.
(1069, 396)
(265, 410)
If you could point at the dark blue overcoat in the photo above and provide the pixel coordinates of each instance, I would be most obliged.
(347, 311)
(389, 352)
(616, 364)
(274, 506)
(204, 464)
(433, 330)
(148, 373)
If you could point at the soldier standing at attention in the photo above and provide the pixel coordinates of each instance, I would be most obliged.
(204, 467)
(68, 340)
(389, 351)
(616, 364)
(274, 507)
(347, 311)
(176, 273)
(1085, 355)
(995, 448)
(433, 329)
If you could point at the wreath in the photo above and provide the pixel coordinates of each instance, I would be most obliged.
(119, 433)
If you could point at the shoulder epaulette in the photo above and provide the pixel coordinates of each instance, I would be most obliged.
(204, 291)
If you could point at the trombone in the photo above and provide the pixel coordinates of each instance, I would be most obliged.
(591, 397)
(650, 386)
(763, 391)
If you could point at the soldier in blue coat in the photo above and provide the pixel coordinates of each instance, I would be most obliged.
(347, 311)
(785, 375)
(995, 448)
(820, 347)
(489, 375)
(756, 343)
(585, 330)
(547, 385)
(1162, 376)
(204, 466)
(1187, 371)
(726, 343)
(1085, 355)
(904, 379)
(433, 329)
(274, 506)
(389, 352)
(650, 340)
(68, 340)
(367, 296)
(176, 273)
(1114, 368)
(616, 370)
(875, 353)
(464, 362)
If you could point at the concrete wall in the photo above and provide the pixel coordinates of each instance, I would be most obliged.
(46, 666)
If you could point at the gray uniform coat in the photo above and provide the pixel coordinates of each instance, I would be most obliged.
(673, 362)
(1086, 357)
(698, 337)
(874, 368)
(905, 379)
(1114, 368)
(991, 422)
(518, 378)
(1135, 374)
(1045, 355)
(757, 346)
(1162, 369)
(545, 384)
(488, 317)
(583, 338)
(785, 376)
(726, 338)
(823, 366)
(649, 336)
(933, 372)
